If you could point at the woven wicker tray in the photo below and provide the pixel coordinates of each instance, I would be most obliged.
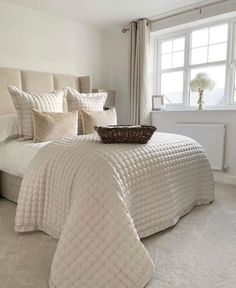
(139, 134)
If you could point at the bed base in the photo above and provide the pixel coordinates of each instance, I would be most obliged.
(9, 186)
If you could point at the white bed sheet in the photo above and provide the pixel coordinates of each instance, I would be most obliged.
(16, 155)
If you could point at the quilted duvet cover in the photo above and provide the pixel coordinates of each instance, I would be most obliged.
(99, 200)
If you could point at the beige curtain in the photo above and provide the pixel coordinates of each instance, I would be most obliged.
(140, 97)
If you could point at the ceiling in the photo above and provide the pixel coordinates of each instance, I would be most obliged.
(107, 14)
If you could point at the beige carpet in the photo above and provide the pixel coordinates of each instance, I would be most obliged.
(199, 252)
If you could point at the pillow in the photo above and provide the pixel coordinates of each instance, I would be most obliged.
(51, 125)
(8, 127)
(85, 101)
(25, 101)
(97, 118)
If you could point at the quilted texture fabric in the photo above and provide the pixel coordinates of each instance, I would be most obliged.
(99, 199)
(52, 125)
(25, 101)
(84, 101)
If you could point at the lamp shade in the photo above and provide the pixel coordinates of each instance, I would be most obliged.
(202, 81)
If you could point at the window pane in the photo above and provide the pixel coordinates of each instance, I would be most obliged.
(218, 34)
(217, 52)
(172, 86)
(216, 96)
(166, 61)
(178, 59)
(200, 38)
(166, 47)
(178, 44)
(199, 55)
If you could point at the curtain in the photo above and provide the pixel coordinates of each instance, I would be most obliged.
(140, 98)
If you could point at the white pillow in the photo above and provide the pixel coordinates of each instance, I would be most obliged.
(84, 101)
(97, 118)
(8, 127)
(25, 101)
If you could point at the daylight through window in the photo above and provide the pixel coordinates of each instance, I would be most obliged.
(181, 56)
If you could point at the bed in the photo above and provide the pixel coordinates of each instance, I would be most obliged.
(98, 200)
(15, 155)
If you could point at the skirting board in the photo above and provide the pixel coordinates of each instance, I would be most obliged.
(224, 178)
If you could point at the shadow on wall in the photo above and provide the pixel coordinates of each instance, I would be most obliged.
(116, 63)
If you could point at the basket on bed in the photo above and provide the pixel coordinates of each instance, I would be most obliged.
(139, 134)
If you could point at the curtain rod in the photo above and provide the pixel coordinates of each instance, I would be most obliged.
(125, 29)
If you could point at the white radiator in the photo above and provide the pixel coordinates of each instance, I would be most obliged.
(210, 136)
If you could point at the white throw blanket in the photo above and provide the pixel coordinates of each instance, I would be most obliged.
(98, 199)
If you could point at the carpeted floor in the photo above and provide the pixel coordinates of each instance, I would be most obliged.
(199, 252)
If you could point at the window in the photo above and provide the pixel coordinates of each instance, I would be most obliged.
(181, 56)
(172, 53)
(216, 96)
(174, 91)
(209, 44)
(172, 67)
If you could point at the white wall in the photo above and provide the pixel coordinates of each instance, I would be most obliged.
(117, 71)
(165, 122)
(180, 21)
(37, 41)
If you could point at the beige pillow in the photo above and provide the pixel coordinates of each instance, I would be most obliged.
(85, 101)
(97, 118)
(50, 125)
(25, 101)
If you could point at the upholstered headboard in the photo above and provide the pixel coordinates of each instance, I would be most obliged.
(36, 82)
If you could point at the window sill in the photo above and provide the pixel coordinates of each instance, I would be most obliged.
(196, 110)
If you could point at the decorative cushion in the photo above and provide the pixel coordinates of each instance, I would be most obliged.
(8, 127)
(51, 125)
(25, 101)
(97, 118)
(84, 101)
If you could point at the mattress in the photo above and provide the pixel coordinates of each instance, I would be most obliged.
(16, 155)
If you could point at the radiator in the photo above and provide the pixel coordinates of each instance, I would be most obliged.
(210, 136)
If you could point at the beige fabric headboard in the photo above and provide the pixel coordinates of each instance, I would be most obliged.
(36, 82)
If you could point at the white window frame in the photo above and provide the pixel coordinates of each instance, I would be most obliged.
(230, 63)
(160, 71)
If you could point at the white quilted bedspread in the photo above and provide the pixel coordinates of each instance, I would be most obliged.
(99, 199)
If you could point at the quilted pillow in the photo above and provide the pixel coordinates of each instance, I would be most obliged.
(25, 101)
(97, 118)
(51, 125)
(84, 101)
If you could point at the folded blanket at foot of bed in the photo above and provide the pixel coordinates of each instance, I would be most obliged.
(99, 200)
